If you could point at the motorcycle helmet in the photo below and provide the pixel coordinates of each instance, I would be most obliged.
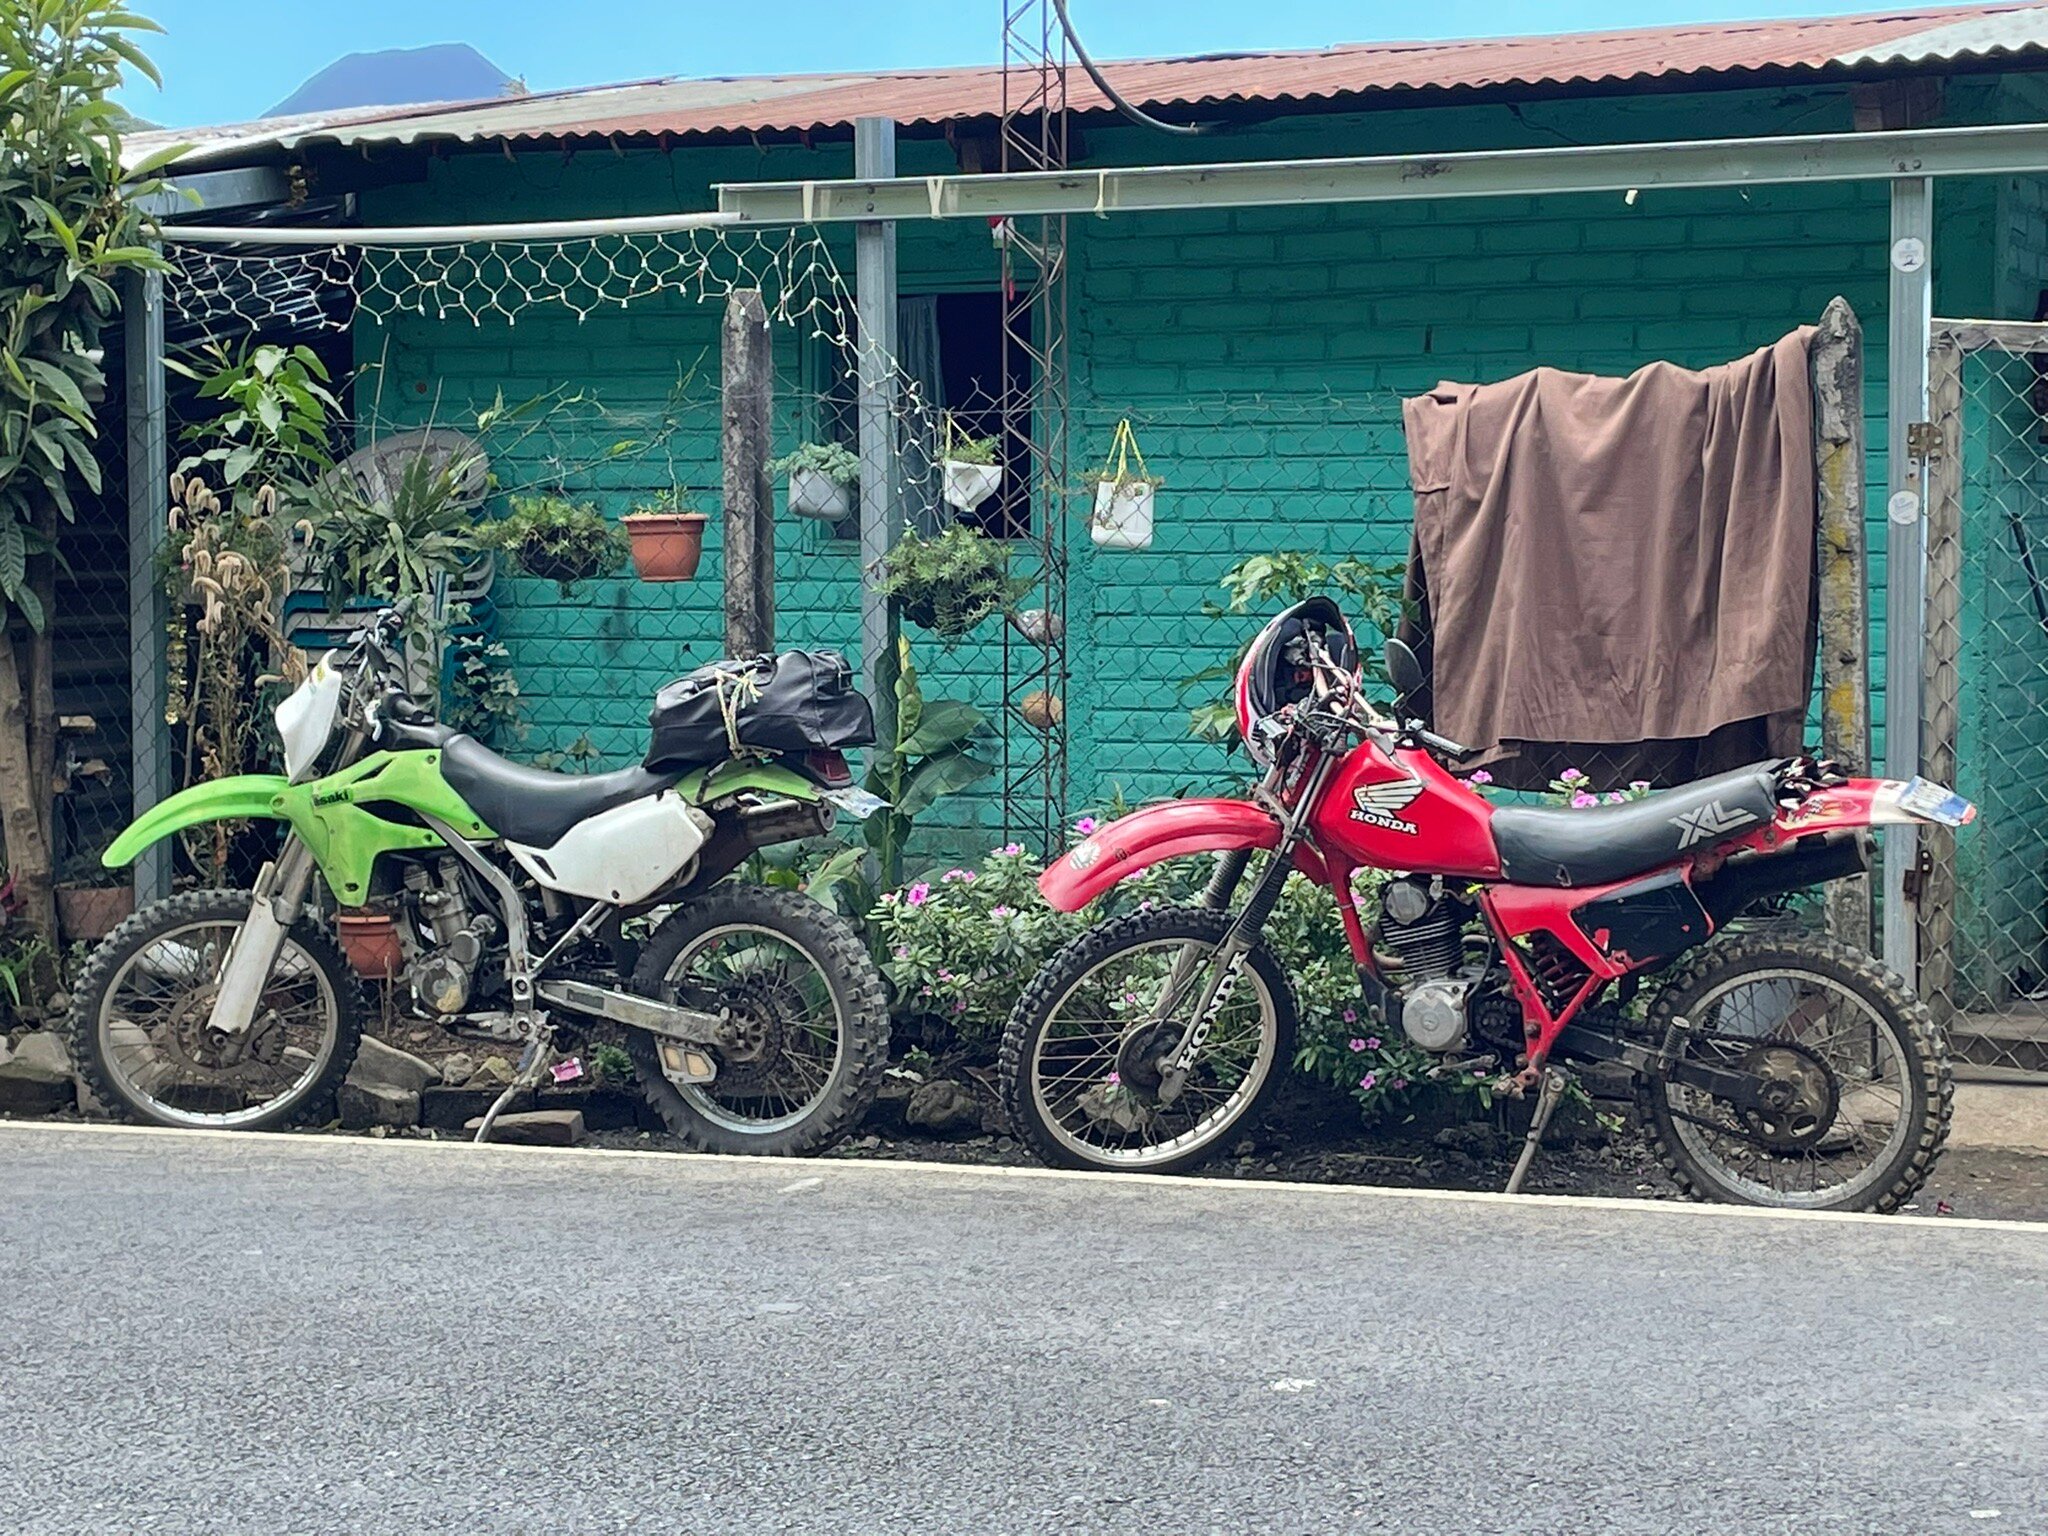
(1275, 671)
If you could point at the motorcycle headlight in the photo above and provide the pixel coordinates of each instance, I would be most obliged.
(306, 719)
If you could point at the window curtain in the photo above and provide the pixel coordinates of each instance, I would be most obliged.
(917, 346)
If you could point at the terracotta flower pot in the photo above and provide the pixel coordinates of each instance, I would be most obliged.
(93, 911)
(370, 940)
(667, 546)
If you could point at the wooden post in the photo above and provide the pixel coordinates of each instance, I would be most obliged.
(748, 389)
(1844, 573)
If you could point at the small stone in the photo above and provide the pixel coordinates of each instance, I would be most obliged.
(536, 1128)
(387, 1066)
(1245, 1148)
(457, 1068)
(945, 1108)
(35, 1077)
(364, 1105)
(1474, 1139)
(492, 1072)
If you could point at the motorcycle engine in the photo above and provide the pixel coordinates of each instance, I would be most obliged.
(1426, 929)
(443, 976)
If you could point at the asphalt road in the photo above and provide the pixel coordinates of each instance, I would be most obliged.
(262, 1334)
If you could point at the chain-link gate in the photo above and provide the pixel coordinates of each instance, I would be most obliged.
(1982, 894)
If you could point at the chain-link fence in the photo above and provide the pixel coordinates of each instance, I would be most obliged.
(1982, 894)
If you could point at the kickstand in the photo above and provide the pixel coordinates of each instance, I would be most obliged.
(1547, 1095)
(531, 1066)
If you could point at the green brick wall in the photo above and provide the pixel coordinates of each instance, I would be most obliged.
(1262, 354)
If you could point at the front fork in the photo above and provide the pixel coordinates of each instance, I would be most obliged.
(274, 905)
(1231, 955)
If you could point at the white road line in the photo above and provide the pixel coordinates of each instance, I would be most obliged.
(770, 1167)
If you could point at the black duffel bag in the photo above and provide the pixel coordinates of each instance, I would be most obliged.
(800, 701)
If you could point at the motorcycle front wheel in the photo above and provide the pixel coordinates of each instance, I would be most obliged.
(139, 1015)
(1081, 1053)
(809, 1019)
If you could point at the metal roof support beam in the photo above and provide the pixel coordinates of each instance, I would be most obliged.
(1918, 153)
(874, 154)
(217, 191)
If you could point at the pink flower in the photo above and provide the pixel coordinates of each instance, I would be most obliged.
(955, 874)
(1581, 799)
(1616, 797)
(1369, 1081)
(1398, 1083)
(1571, 776)
(1350, 1015)
(917, 895)
(1113, 1081)
(902, 951)
(1372, 1042)
(959, 1007)
(1011, 850)
(1085, 825)
(888, 898)
(1640, 786)
(1357, 1045)
(1478, 776)
(1002, 912)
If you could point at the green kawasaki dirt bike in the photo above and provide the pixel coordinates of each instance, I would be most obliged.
(511, 903)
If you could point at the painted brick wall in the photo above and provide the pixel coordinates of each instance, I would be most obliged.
(1261, 353)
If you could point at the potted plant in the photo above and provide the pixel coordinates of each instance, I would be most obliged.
(950, 582)
(971, 473)
(821, 480)
(666, 537)
(1124, 488)
(555, 539)
(92, 900)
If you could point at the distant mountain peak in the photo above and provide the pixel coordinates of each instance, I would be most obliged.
(399, 77)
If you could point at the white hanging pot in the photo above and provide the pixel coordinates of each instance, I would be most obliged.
(969, 485)
(1123, 514)
(812, 493)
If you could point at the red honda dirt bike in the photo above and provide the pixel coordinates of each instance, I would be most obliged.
(1771, 1066)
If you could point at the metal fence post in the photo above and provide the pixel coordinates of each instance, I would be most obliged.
(1905, 543)
(874, 158)
(142, 323)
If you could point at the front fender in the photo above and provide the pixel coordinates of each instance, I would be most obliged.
(1138, 841)
(246, 797)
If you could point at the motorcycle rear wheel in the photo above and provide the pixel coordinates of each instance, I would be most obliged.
(814, 1017)
(1865, 1070)
(1064, 1047)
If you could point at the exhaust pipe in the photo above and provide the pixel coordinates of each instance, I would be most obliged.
(1752, 877)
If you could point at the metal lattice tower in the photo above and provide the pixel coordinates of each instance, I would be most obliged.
(1033, 137)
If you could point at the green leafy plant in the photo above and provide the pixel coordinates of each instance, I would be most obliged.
(399, 540)
(275, 414)
(1367, 590)
(482, 694)
(1575, 788)
(24, 961)
(971, 450)
(669, 501)
(558, 540)
(580, 756)
(834, 461)
(70, 228)
(931, 758)
(951, 582)
(611, 1063)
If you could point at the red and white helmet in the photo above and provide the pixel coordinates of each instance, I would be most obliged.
(1275, 673)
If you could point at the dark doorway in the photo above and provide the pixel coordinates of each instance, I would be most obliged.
(971, 359)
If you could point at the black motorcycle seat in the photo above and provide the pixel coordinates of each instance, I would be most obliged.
(530, 805)
(1542, 845)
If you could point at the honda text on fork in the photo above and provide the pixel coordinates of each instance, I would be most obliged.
(1771, 1065)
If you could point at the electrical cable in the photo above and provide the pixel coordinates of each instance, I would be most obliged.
(1137, 115)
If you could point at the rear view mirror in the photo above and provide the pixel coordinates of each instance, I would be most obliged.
(1403, 670)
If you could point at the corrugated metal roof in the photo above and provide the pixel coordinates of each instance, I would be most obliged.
(1903, 38)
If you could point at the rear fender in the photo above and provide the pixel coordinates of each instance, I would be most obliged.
(1872, 803)
(1135, 842)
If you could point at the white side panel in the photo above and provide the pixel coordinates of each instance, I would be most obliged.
(624, 855)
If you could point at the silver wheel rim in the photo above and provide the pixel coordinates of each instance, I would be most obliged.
(1860, 1047)
(802, 1061)
(1238, 1055)
(167, 983)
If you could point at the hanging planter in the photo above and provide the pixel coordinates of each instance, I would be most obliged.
(1122, 516)
(950, 583)
(555, 539)
(969, 471)
(821, 480)
(666, 537)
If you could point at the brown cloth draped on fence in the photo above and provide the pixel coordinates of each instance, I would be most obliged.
(1618, 572)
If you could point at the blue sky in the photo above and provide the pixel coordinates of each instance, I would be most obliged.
(225, 60)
